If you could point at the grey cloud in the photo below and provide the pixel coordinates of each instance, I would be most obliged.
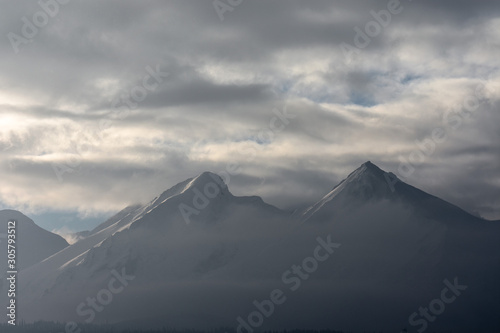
(225, 78)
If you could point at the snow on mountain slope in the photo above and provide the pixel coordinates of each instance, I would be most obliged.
(47, 271)
(147, 239)
(122, 216)
(370, 184)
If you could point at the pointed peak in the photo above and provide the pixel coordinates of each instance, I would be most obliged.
(207, 175)
(205, 178)
(369, 164)
(363, 184)
(367, 168)
(206, 181)
(199, 182)
(366, 181)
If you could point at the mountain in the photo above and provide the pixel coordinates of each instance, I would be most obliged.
(189, 231)
(370, 184)
(32, 242)
(197, 256)
(401, 243)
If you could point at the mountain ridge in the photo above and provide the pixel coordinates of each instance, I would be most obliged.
(235, 248)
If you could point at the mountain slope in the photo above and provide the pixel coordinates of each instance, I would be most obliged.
(33, 243)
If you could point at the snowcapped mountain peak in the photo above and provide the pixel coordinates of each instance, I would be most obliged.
(365, 182)
(197, 183)
(369, 164)
(368, 169)
(206, 178)
(370, 184)
(195, 199)
(369, 180)
(206, 188)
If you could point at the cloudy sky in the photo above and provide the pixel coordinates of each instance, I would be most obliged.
(108, 103)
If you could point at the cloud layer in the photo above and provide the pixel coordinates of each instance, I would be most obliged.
(110, 103)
